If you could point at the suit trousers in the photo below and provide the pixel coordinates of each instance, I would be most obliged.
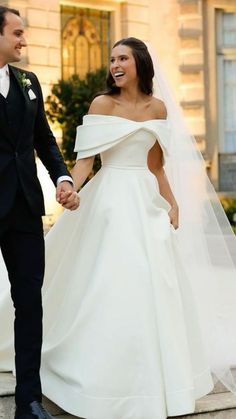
(22, 245)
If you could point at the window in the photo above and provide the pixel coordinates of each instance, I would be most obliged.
(226, 62)
(226, 55)
(85, 40)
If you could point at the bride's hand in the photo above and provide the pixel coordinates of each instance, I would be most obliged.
(174, 216)
(70, 200)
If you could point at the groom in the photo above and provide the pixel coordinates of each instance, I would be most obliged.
(23, 129)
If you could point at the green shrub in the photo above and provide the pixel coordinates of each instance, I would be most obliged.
(229, 205)
(68, 103)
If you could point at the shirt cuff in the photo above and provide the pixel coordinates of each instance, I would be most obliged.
(65, 178)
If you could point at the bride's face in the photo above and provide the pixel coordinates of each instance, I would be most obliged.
(123, 66)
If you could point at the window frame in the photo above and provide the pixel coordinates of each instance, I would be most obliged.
(223, 54)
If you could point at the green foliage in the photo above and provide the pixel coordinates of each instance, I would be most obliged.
(68, 103)
(229, 205)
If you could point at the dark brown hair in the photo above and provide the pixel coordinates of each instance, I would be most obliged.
(3, 11)
(144, 66)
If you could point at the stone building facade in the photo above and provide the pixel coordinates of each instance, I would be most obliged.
(195, 41)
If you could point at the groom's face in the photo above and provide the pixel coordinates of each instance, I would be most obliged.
(12, 39)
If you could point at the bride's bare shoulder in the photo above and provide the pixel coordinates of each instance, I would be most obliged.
(159, 108)
(101, 105)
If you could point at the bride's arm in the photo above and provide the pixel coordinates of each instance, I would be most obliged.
(155, 164)
(83, 167)
(81, 171)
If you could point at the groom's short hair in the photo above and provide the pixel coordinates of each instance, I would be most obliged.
(3, 11)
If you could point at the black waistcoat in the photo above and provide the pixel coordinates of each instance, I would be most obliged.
(13, 108)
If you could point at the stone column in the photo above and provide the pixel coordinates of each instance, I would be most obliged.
(135, 19)
(191, 67)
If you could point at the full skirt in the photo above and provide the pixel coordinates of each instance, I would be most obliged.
(121, 333)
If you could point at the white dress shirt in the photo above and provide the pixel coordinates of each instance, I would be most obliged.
(4, 80)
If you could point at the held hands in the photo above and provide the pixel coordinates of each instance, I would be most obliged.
(67, 196)
(174, 216)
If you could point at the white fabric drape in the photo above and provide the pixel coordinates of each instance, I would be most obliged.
(206, 240)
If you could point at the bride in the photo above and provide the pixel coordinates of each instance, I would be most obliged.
(121, 333)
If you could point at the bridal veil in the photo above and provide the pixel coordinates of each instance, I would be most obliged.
(205, 239)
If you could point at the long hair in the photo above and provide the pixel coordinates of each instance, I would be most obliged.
(144, 66)
(3, 11)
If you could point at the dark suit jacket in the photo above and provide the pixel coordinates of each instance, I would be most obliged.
(17, 155)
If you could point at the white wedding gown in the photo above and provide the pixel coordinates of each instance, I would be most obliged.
(121, 335)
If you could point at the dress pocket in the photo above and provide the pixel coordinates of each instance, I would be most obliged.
(163, 203)
(174, 231)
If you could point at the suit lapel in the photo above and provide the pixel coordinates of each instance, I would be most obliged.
(15, 73)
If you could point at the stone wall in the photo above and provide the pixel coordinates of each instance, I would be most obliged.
(43, 53)
(135, 19)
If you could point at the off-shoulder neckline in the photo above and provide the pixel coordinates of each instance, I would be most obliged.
(126, 119)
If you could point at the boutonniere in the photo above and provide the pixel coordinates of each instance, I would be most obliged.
(24, 82)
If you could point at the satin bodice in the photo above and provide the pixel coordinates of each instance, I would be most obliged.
(120, 141)
(132, 152)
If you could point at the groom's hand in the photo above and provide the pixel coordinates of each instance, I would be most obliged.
(67, 196)
(70, 200)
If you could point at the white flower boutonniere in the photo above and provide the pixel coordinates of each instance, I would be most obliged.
(26, 83)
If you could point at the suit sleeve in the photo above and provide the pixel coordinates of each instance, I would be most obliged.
(44, 141)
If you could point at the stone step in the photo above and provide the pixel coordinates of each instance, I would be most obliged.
(217, 405)
(220, 388)
(7, 402)
(7, 409)
(213, 406)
